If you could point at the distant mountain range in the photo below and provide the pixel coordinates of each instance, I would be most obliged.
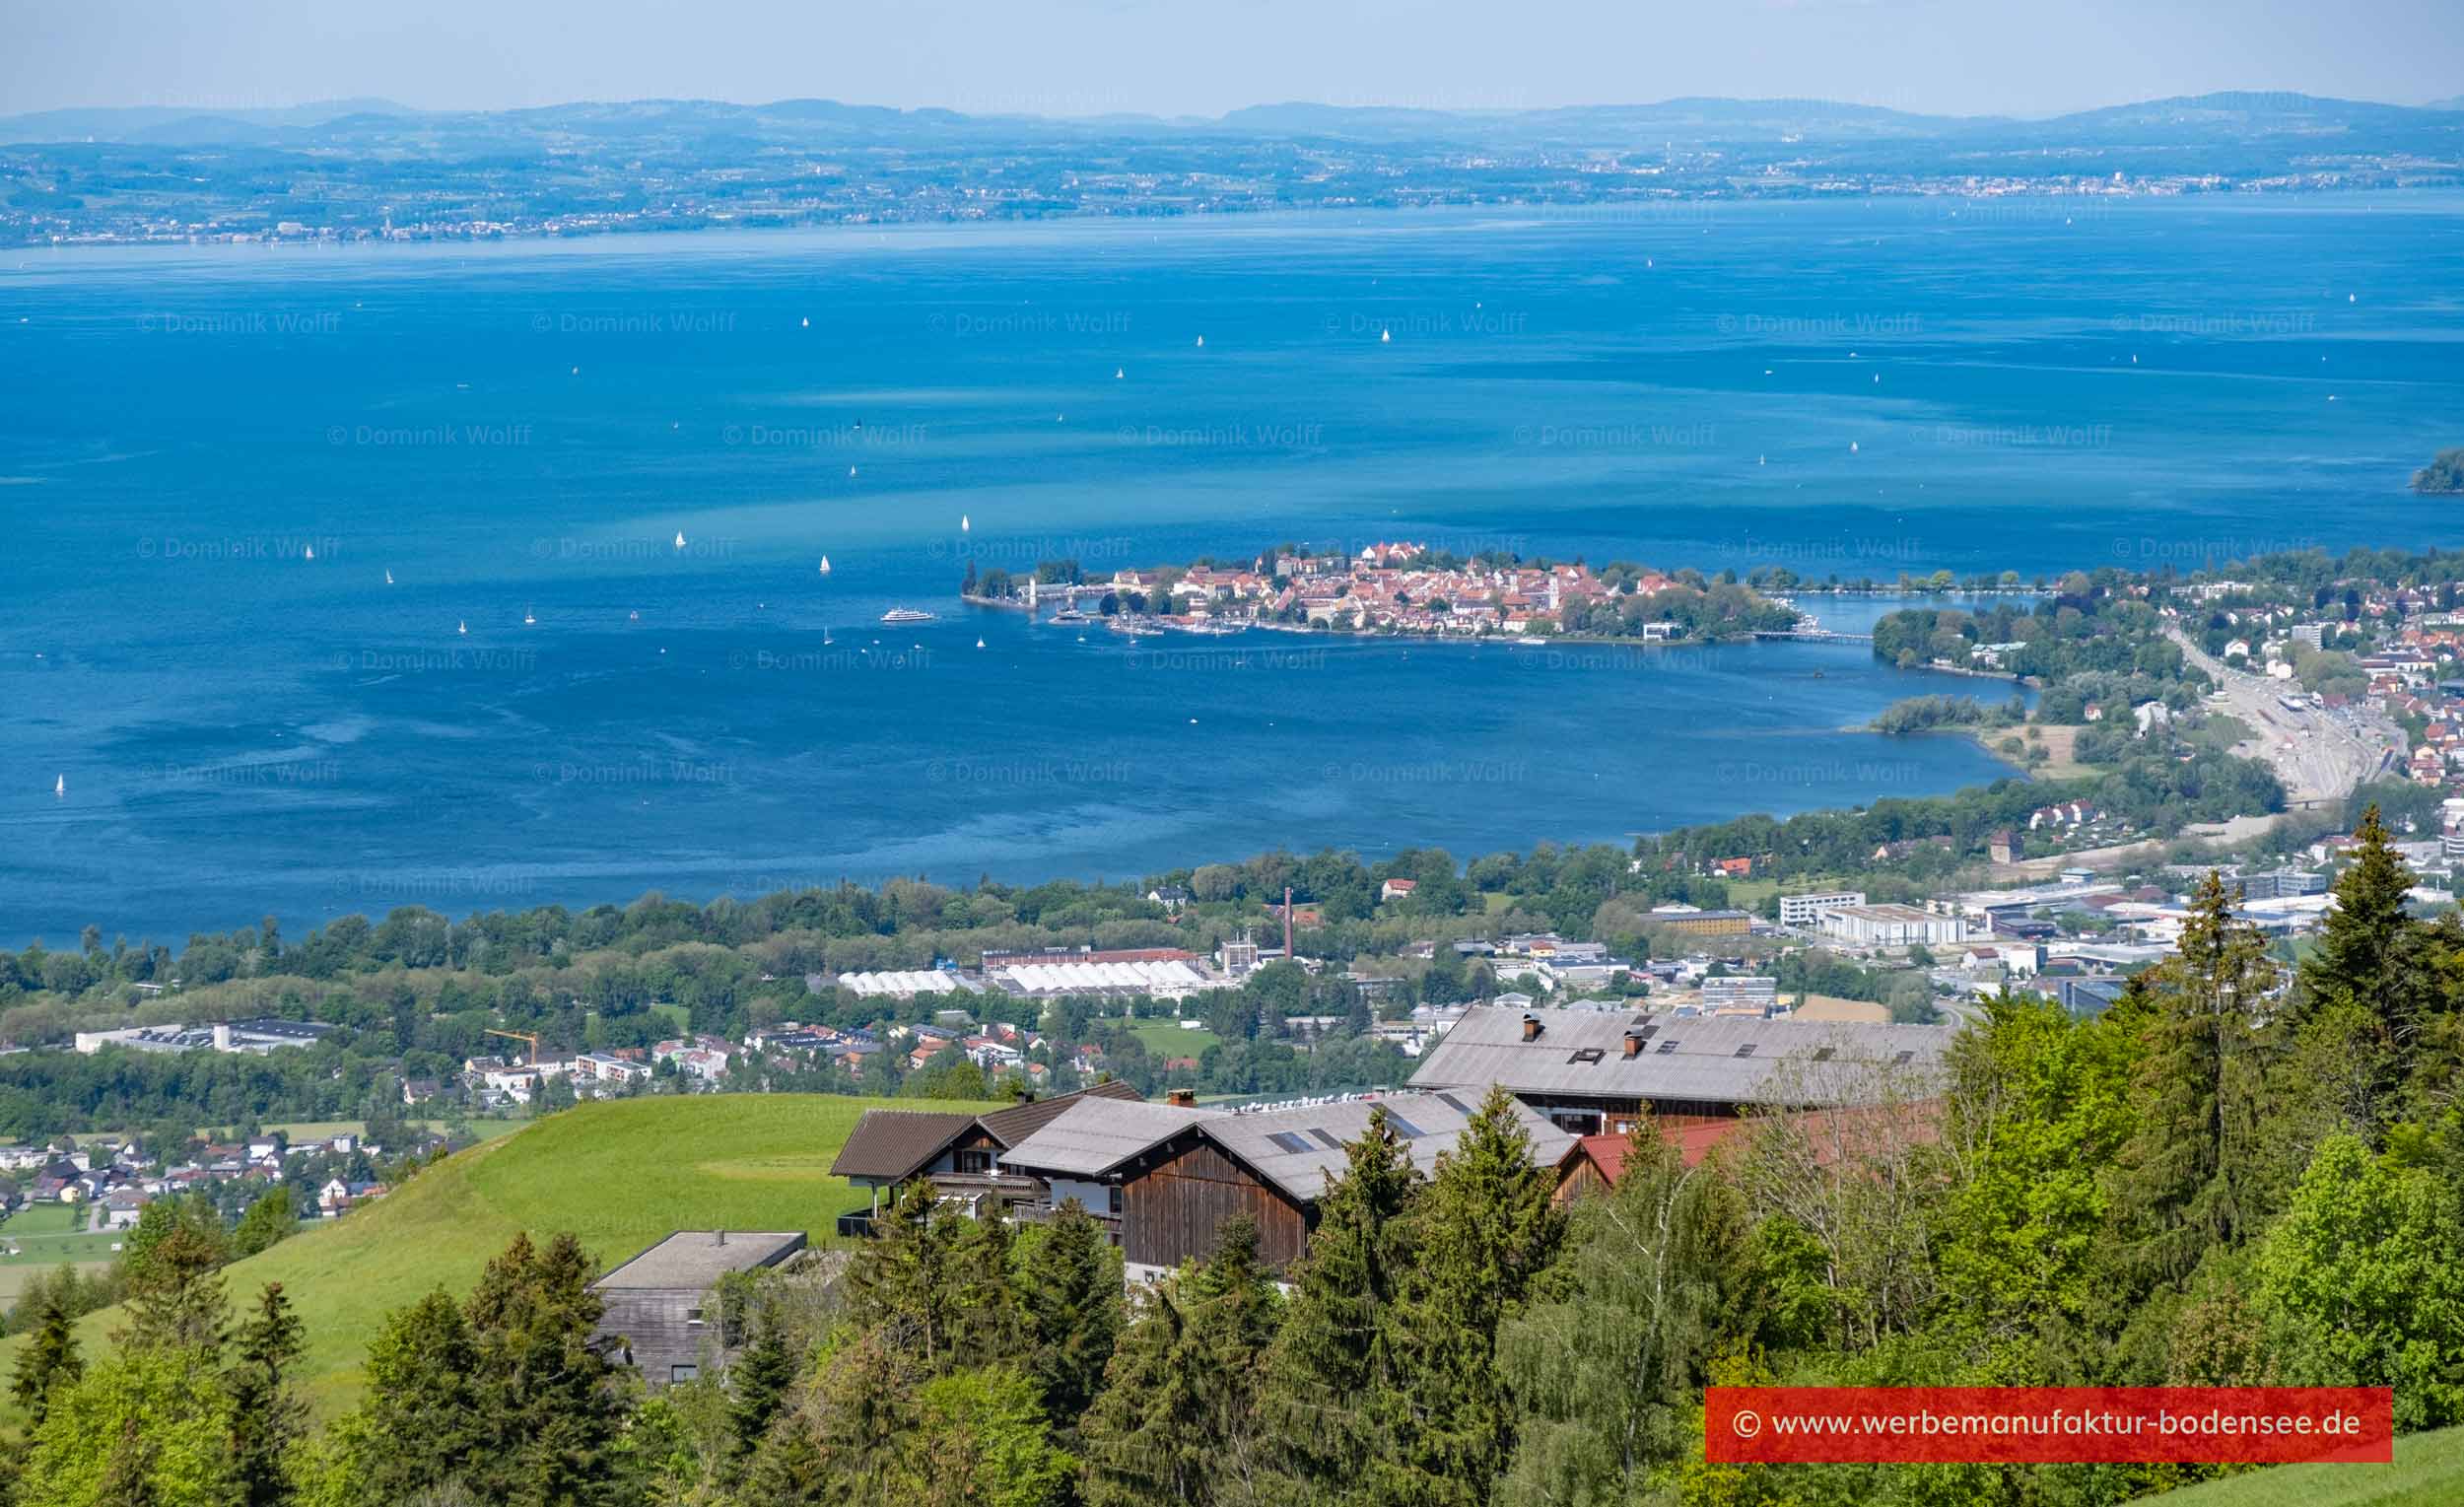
(2233, 116)
(359, 169)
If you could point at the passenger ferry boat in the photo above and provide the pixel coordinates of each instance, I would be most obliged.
(905, 615)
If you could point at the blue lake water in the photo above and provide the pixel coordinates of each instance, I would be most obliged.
(1862, 388)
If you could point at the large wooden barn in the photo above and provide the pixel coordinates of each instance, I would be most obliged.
(1171, 1176)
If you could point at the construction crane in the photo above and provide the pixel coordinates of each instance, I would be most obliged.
(520, 1036)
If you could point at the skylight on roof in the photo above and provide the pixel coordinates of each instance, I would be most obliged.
(1747, 1050)
(1404, 1127)
(1288, 1142)
(1326, 1140)
(1669, 1046)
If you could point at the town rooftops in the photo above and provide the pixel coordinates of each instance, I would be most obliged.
(1300, 1149)
(888, 1145)
(1590, 1054)
(1095, 1136)
(695, 1259)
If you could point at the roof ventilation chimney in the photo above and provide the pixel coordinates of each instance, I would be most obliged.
(1633, 1043)
(1530, 1027)
(1182, 1098)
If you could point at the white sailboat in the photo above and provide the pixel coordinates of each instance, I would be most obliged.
(978, 643)
(1385, 338)
(1117, 373)
(825, 564)
(388, 577)
(527, 620)
(311, 554)
(963, 526)
(462, 628)
(59, 786)
(679, 539)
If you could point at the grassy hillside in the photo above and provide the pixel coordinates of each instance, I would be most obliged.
(2428, 1471)
(620, 1175)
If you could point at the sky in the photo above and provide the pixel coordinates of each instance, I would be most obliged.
(1203, 58)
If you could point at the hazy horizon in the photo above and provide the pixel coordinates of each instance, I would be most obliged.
(1079, 58)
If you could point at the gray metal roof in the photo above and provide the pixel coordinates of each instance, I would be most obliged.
(1581, 1053)
(1300, 1149)
(1095, 1136)
(695, 1259)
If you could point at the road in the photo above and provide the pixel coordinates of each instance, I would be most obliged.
(2319, 754)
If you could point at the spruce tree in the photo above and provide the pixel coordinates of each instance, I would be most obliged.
(904, 1277)
(2189, 1175)
(1075, 1311)
(176, 1294)
(760, 1378)
(266, 1417)
(1606, 1376)
(1334, 1351)
(1175, 1420)
(49, 1360)
(990, 1322)
(546, 1395)
(2356, 944)
(419, 1423)
(1485, 1236)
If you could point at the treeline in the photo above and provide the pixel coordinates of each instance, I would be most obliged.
(1924, 713)
(2160, 795)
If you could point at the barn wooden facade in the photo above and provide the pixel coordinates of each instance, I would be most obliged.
(1174, 1209)
(1175, 1174)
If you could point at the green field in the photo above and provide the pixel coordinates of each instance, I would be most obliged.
(47, 1234)
(620, 1174)
(1166, 1037)
(2428, 1471)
